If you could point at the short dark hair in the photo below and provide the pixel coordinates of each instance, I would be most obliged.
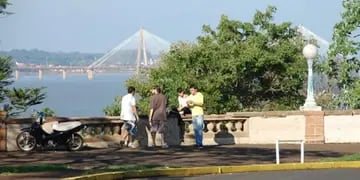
(131, 89)
(180, 90)
(157, 89)
(193, 86)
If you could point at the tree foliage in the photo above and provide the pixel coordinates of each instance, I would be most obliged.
(343, 64)
(3, 5)
(23, 98)
(5, 74)
(239, 65)
(114, 108)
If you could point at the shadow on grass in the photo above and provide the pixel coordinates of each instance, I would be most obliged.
(113, 168)
(36, 168)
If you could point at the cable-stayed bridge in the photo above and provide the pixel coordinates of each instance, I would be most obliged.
(140, 50)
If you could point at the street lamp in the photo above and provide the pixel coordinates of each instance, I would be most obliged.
(310, 52)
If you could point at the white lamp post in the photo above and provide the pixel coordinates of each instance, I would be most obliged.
(310, 52)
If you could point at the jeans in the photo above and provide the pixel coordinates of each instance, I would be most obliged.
(198, 123)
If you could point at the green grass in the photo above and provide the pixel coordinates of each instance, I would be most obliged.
(113, 168)
(60, 167)
(352, 157)
(36, 168)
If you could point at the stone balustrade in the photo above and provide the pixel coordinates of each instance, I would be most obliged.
(102, 132)
(229, 128)
(218, 129)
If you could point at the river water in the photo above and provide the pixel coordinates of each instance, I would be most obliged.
(77, 96)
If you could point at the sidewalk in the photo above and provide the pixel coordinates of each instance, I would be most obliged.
(177, 156)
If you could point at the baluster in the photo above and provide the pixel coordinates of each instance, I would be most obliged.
(191, 128)
(88, 131)
(107, 130)
(239, 125)
(116, 129)
(99, 130)
(210, 126)
(229, 126)
(218, 127)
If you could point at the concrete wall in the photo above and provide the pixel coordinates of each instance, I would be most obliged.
(342, 128)
(263, 130)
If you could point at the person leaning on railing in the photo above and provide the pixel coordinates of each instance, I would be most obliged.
(196, 102)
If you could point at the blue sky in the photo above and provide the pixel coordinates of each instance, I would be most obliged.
(99, 25)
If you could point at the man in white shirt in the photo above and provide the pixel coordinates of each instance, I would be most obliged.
(182, 99)
(129, 116)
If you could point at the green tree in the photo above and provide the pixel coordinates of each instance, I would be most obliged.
(114, 108)
(3, 5)
(343, 64)
(254, 65)
(49, 112)
(5, 74)
(23, 98)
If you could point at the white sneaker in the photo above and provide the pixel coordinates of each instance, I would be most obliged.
(131, 145)
(164, 146)
(152, 146)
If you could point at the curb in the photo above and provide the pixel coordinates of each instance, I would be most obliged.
(194, 171)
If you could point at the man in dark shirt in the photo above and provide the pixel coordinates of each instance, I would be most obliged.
(158, 115)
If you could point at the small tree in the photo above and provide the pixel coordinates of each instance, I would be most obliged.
(22, 99)
(114, 108)
(343, 64)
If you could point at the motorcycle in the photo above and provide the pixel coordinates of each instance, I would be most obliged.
(50, 134)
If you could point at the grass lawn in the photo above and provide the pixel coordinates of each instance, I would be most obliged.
(351, 157)
(112, 168)
(36, 168)
(60, 167)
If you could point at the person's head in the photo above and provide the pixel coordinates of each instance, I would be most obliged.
(156, 90)
(193, 89)
(131, 90)
(181, 92)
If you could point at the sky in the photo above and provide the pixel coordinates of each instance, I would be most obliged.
(96, 26)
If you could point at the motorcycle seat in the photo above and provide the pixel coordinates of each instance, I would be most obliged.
(48, 127)
(65, 126)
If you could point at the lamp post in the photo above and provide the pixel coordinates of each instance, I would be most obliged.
(310, 52)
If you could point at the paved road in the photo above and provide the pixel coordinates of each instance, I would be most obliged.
(174, 156)
(327, 174)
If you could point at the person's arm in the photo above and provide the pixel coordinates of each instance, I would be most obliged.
(133, 108)
(180, 105)
(151, 109)
(150, 115)
(197, 100)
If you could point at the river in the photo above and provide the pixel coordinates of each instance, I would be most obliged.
(77, 96)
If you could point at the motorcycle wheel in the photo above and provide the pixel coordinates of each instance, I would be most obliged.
(25, 141)
(76, 142)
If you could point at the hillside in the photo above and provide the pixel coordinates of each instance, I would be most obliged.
(56, 58)
(123, 57)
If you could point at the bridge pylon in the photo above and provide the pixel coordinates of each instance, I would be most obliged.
(140, 49)
(90, 73)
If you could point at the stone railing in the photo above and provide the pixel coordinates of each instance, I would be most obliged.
(102, 132)
(229, 128)
(218, 129)
(98, 132)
